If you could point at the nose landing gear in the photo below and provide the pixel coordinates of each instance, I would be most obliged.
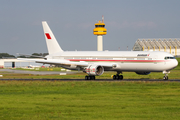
(166, 75)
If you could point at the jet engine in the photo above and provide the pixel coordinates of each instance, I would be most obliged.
(95, 70)
(143, 73)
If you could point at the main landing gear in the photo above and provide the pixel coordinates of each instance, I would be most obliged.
(90, 77)
(117, 76)
(166, 75)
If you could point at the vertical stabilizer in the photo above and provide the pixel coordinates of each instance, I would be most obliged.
(52, 44)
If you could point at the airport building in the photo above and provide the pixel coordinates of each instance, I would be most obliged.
(171, 45)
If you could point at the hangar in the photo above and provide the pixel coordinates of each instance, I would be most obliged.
(171, 45)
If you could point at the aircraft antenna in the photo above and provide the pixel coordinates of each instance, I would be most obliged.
(102, 18)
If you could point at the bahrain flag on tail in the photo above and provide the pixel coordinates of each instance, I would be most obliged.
(48, 36)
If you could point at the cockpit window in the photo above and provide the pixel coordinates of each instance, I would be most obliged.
(169, 58)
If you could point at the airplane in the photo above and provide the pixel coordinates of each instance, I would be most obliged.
(94, 63)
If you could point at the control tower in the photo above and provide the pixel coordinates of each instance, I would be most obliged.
(100, 30)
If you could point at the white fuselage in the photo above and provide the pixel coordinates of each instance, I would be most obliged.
(123, 60)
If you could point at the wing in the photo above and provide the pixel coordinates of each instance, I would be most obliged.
(56, 62)
(67, 62)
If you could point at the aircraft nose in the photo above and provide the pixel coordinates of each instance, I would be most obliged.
(175, 63)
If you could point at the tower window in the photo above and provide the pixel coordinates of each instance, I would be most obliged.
(99, 25)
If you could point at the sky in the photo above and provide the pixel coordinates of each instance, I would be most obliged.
(72, 22)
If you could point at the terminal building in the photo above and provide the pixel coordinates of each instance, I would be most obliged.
(171, 45)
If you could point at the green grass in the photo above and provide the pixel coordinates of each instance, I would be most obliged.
(89, 100)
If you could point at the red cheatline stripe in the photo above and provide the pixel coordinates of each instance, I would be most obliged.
(48, 36)
(117, 60)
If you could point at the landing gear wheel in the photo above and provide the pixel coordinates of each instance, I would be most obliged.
(165, 78)
(117, 77)
(166, 75)
(114, 77)
(121, 77)
(93, 78)
(90, 77)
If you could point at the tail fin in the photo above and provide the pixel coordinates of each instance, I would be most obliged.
(52, 44)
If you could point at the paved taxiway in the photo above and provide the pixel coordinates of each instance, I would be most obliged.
(70, 72)
(97, 80)
(37, 72)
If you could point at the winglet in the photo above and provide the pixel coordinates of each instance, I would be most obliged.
(52, 44)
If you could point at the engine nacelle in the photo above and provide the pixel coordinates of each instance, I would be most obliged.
(143, 73)
(94, 70)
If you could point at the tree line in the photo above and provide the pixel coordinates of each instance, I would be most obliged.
(34, 55)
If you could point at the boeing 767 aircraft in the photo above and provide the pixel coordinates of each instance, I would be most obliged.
(94, 63)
